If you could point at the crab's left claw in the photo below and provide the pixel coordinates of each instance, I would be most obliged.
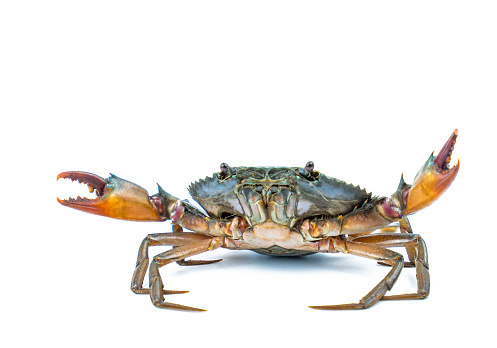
(432, 179)
(116, 198)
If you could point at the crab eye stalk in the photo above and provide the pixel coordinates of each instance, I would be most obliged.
(224, 168)
(225, 171)
(309, 166)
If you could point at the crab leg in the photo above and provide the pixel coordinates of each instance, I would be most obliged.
(174, 239)
(377, 214)
(121, 199)
(416, 243)
(432, 180)
(373, 252)
(375, 247)
(405, 227)
(176, 254)
(178, 228)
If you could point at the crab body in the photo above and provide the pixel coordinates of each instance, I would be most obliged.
(281, 211)
(272, 202)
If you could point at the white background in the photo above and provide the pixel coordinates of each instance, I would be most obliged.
(165, 91)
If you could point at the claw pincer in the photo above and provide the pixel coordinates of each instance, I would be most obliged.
(433, 179)
(116, 198)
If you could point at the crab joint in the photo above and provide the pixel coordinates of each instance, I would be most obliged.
(177, 212)
(339, 245)
(236, 227)
(215, 243)
(314, 230)
(389, 210)
(157, 203)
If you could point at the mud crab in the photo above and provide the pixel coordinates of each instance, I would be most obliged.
(281, 211)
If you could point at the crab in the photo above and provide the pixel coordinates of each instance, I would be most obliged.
(278, 211)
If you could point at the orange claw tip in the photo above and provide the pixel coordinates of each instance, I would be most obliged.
(433, 179)
(115, 197)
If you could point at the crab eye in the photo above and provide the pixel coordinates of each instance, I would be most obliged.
(309, 166)
(224, 168)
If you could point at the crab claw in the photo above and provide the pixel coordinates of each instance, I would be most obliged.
(432, 179)
(116, 198)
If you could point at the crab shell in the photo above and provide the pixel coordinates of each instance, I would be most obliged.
(284, 195)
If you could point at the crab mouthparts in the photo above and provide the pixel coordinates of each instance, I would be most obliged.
(442, 161)
(94, 182)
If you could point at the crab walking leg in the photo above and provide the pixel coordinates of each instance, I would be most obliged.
(175, 239)
(420, 260)
(173, 255)
(178, 228)
(405, 227)
(373, 252)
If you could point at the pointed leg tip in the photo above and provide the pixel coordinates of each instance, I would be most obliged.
(188, 308)
(175, 292)
(340, 307)
(176, 306)
(196, 262)
(315, 307)
(322, 307)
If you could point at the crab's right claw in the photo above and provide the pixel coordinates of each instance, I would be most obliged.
(116, 198)
(432, 179)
